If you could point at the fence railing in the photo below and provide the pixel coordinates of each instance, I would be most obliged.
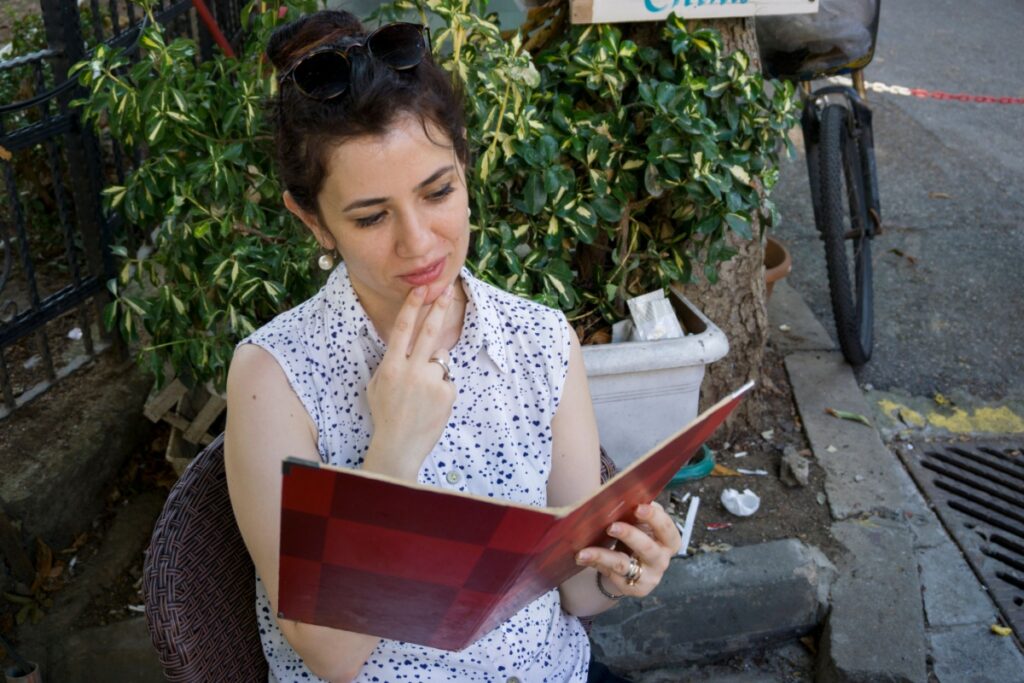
(55, 235)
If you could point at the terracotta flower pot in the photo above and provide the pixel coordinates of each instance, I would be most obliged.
(777, 263)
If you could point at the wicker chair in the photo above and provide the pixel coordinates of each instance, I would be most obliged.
(199, 583)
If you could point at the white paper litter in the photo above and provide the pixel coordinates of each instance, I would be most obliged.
(741, 504)
(75, 333)
(687, 528)
(653, 317)
(756, 473)
(741, 454)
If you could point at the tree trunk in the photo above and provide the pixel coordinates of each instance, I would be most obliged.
(737, 302)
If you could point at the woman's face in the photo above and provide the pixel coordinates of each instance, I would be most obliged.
(395, 207)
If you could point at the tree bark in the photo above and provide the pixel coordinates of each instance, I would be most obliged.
(737, 302)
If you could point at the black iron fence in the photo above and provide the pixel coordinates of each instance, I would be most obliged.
(55, 235)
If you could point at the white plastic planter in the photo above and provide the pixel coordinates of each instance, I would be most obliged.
(645, 391)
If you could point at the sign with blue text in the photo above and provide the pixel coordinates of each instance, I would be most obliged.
(614, 11)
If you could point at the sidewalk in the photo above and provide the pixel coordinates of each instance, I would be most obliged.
(900, 605)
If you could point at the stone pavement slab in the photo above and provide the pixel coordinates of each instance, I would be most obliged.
(974, 654)
(790, 662)
(875, 631)
(952, 594)
(802, 330)
(712, 605)
(861, 473)
(121, 652)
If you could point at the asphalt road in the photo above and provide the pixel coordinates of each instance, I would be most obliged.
(950, 310)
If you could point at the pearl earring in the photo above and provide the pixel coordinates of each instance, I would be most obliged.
(326, 261)
(469, 211)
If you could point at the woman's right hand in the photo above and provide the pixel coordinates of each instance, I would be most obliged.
(410, 399)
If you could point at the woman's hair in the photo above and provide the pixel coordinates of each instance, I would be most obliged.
(306, 130)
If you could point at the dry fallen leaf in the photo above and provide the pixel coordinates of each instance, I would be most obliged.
(911, 259)
(5, 153)
(845, 415)
(723, 471)
(79, 541)
(939, 195)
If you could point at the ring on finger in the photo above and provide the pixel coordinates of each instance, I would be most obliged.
(444, 366)
(634, 572)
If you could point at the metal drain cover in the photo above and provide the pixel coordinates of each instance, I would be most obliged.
(978, 492)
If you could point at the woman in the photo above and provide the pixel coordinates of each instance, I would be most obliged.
(406, 365)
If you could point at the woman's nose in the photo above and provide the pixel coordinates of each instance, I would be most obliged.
(414, 236)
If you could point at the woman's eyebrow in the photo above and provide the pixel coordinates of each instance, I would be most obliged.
(363, 203)
(434, 176)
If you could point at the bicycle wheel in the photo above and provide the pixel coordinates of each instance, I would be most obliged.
(844, 226)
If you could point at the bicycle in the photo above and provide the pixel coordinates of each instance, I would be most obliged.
(840, 152)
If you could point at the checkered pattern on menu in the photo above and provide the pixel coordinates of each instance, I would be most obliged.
(370, 555)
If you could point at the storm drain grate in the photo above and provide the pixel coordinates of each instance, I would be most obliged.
(978, 492)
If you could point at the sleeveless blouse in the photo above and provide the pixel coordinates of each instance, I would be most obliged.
(509, 367)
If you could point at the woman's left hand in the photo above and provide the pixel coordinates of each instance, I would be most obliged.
(652, 541)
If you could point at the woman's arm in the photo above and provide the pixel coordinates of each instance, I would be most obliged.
(575, 473)
(409, 404)
(267, 422)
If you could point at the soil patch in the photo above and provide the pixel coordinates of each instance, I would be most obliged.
(784, 512)
(12, 10)
(61, 570)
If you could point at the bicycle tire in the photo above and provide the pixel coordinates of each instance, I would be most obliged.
(842, 223)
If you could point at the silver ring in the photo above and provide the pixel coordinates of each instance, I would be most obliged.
(444, 366)
(634, 572)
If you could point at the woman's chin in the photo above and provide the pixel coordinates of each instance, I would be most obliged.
(436, 289)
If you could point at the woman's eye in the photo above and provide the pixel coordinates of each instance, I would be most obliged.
(370, 220)
(442, 193)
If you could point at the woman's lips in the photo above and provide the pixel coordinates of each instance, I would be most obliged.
(425, 276)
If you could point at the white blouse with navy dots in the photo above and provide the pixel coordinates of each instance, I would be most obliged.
(509, 366)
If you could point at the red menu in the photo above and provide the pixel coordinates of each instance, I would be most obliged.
(366, 553)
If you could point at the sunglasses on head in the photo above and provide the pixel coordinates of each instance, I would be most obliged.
(325, 72)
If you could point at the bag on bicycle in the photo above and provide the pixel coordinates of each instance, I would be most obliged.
(840, 36)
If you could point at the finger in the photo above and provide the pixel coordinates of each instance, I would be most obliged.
(611, 563)
(441, 355)
(425, 345)
(405, 321)
(640, 544)
(664, 529)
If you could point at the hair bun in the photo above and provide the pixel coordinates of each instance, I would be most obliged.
(291, 40)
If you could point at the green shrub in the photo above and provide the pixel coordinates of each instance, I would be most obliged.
(601, 169)
(605, 169)
(227, 255)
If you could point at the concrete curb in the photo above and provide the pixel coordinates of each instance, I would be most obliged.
(52, 482)
(716, 604)
(903, 592)
(875, 631)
